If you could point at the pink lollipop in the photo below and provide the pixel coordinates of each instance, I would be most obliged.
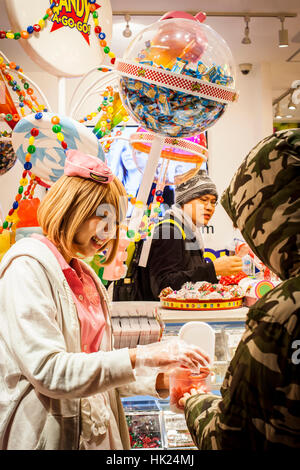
(190, 149)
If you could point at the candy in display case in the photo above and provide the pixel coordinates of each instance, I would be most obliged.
(176, 432)
(144, 429)
(151, 422)
(152, 425)
(144, 421)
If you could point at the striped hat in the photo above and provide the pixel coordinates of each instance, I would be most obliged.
(195, 187)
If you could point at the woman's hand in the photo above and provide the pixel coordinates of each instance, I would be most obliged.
(168, 354)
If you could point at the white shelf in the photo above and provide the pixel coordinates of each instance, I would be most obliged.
(174, 316)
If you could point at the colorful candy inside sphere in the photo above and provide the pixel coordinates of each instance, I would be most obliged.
(177, 77)
(7, 156)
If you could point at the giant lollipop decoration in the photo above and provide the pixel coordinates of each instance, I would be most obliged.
(62, 42)
(177, 93)
(54, 136)
(8, 111)
(191, 150)
(16, 87)
(110, 113)
(177, 79)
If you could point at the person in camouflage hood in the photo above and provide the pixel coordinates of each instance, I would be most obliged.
(259, 408)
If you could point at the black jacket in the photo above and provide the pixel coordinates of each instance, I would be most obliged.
(173, 261)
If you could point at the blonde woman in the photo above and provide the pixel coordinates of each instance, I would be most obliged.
(60, 379)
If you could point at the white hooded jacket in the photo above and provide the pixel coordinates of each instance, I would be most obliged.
(43, 373)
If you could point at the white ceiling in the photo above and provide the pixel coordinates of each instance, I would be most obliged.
(263, 33)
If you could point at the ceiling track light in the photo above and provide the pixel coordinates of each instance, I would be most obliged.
(288, 105)
(127, 31)
(246, 39)
(291, 105)
(277, 112)
(283, 34)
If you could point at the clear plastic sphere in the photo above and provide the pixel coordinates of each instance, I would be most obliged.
(187, 48)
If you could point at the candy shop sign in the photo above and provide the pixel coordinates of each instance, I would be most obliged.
(73, 14)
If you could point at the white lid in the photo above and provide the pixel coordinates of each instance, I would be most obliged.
(199, 334)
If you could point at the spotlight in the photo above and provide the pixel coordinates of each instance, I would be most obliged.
(283, 35)
(127, 31)
(291, 105)
(246, 39)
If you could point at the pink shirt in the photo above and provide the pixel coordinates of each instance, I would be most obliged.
(86, 298)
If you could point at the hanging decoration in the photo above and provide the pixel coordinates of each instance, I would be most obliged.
(14, 83)
(66, 25)
(30, 29)
(48, 157)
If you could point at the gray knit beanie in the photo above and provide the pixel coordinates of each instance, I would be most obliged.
(195, 187)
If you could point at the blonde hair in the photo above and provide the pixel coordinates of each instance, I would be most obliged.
(70, 202)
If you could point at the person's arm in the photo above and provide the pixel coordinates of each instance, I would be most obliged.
(30, 324)
(154, 361)
(166, 260)
(153, 384)
(259, 388)
(220, 423)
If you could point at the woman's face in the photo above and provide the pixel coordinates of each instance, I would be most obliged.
(140, 159)
(93, 234)
(127, 159)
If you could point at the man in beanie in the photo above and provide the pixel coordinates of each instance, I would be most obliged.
(177, 250)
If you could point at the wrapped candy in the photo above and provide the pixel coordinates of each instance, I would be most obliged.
(144, 430)
(203, 291)
(164, 73)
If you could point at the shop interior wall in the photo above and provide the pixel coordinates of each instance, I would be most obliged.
(244, 124)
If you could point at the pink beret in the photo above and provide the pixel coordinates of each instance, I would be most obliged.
(86, 166)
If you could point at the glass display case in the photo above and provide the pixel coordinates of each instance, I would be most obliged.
(145, 422)
(157, 422)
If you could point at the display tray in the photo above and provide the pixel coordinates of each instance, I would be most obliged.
(192, 304)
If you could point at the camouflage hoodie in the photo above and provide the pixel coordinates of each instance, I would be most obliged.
(260, 404)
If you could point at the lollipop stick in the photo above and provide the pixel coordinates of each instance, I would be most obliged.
(165, 174)
(148, 176)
